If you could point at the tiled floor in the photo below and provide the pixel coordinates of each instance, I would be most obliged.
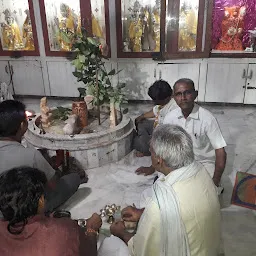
(117, 183)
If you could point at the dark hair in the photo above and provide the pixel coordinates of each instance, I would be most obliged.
(12, 114)
(160, 90)
(186, 81)
(20, 191)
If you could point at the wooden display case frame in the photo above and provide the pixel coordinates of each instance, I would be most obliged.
(85, 9)
(18, 54)
(169, 50)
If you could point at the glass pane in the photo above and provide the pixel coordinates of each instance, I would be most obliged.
(188, 21)
(63, 22)
(141, 25)
(98, 19)
(234, 26)
(16, 28)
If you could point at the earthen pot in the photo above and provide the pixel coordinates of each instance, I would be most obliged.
(79, 108)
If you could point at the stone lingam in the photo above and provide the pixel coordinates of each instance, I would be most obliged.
(92, 146)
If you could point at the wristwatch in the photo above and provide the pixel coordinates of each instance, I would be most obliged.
(81, 223)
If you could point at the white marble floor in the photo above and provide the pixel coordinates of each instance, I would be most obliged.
(117, 183)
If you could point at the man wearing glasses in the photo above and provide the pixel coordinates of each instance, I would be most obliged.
(208, 142)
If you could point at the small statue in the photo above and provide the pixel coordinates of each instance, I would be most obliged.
(188, 29)
(156, 29)
(136, 29)
(67, 27)
(45, 113)
(113, 115)
(12, 40)
(232, 28)
(28, 33)
(72, 125)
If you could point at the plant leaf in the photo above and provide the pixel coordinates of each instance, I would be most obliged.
(81, 58)
(92, 41)
(108, 82)
(82, 91)
(112, 72)
(77, 74)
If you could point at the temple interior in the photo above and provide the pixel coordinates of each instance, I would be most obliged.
(83, 69)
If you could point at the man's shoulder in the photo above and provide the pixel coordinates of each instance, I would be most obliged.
(205, 115)
(13, 146)
(61, 225)
(172, 114)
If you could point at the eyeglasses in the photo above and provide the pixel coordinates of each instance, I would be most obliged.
(185, 93)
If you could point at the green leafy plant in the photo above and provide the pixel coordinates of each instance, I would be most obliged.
(90, 69)
(61, 113)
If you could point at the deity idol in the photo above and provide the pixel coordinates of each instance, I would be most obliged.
(156, 26)
(11, 33)
(232, 28)
(28, 33)
(136, 29)
(96, 29)
(46, 115)
(188, 29)
(67, 27)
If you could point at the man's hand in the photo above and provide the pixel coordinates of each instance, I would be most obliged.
(216, 181)
(94, 222)
(117, 228)
(138, 120)
(220, 164)
(145, 170)
(131, 214)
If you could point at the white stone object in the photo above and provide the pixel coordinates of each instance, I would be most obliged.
(71, 126)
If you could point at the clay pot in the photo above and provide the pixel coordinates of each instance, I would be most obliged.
(79, 108)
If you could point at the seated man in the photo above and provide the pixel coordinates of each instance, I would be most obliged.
(13, 125)
(183, 215)
(25, 229)
(203, 128)
(161, 93)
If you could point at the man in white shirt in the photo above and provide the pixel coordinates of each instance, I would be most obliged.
(201, 125)
(183, 215)
(161, 93)
(208, 142)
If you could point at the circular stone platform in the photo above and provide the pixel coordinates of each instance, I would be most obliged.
(90, 150)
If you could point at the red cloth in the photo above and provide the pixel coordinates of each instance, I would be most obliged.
(43, 236)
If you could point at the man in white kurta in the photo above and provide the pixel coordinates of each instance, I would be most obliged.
(204, 130)
(202, 126)
(182, 218)
(200, 212)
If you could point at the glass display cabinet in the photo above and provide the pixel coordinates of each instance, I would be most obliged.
(234, 28)
(165, 28)
(138, 27)
(18, 31)
(62, 20)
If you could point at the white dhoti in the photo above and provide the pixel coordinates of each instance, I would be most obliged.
(113, 246)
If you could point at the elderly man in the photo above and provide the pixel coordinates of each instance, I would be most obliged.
(183, 215)
(201, 125)
(203, 128)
